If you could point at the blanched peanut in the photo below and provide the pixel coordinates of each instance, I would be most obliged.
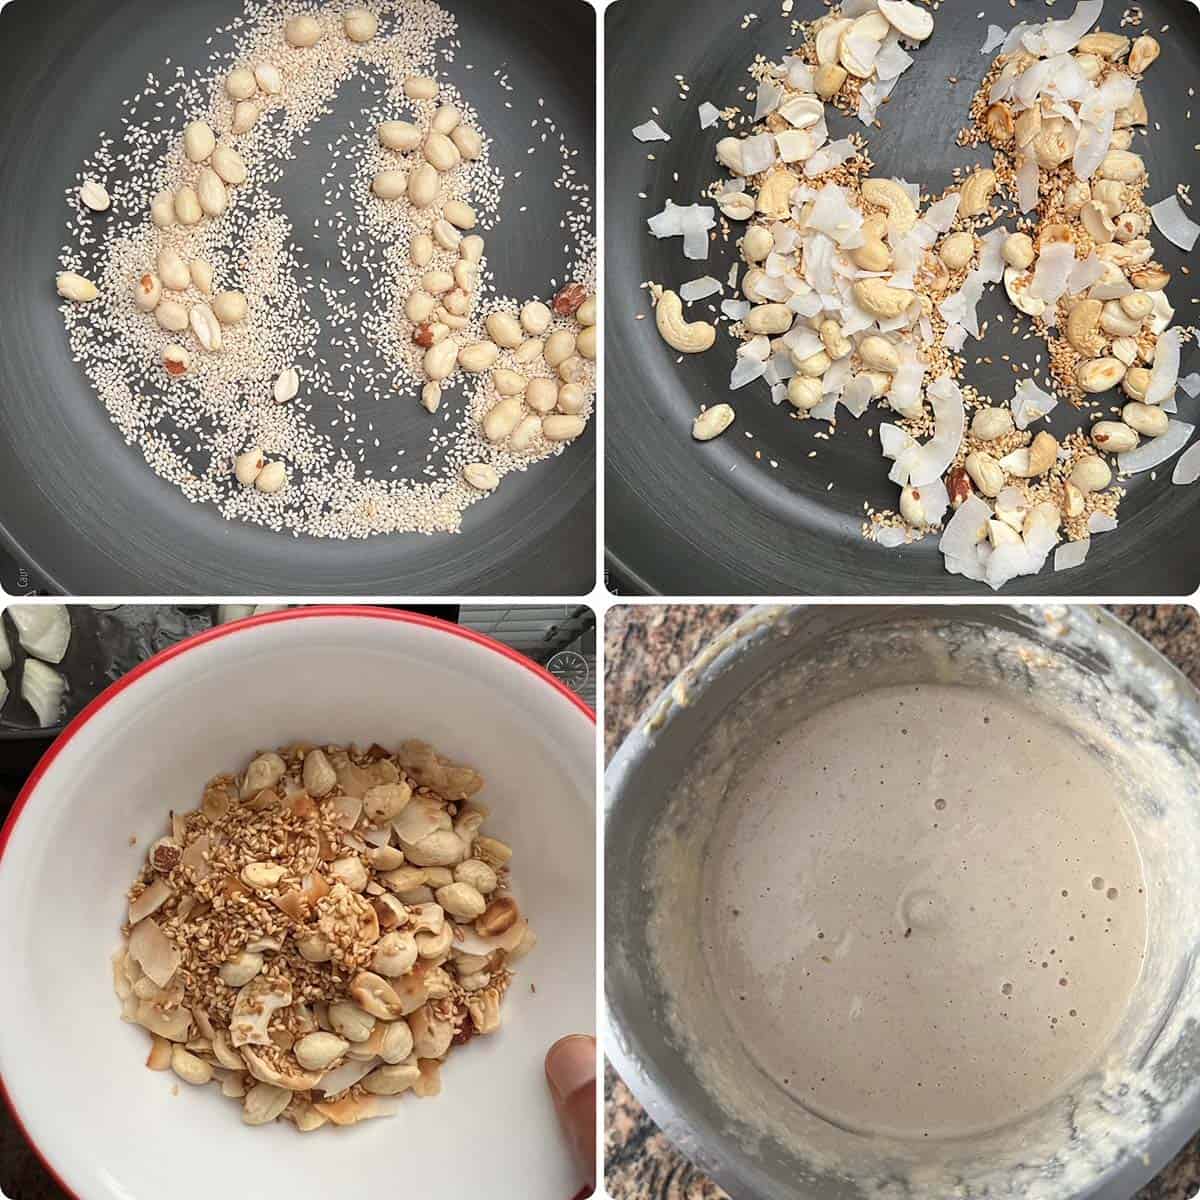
(461, 900)
(535, 318)
(1114, 437)
(557, 428)
(352, 1022)
(189, 1068)
(560, 345)
(1146, 419)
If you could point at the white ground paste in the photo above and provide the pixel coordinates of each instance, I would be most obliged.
(853, 970)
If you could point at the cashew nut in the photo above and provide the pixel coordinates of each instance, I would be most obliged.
(894, 200)
(880, 299)
(688, 337)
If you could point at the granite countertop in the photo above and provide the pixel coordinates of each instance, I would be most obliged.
(645, 647)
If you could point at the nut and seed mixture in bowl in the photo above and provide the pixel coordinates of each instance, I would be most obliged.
(859, 291)
(321, 932)
(280, 373)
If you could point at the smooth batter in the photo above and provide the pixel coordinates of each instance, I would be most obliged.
(923, 910)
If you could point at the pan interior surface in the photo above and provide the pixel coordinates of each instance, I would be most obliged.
(771, 506)
(81, 509)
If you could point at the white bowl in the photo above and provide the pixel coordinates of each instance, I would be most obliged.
(112, 1130)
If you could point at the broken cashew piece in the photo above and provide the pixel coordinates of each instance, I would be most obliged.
(688, 337)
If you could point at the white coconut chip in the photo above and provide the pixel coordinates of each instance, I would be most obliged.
(1187, 469)
(1030, 403)
(890, 537)
(1071, 554)
(1173, 223)
(6, 658)
(736, 310)
(799, 73)
(709, 115)
(1057, 37)
(941, 213)
(651, 131)
(695, 222)
(856, 395)
(1053, 273)
(43, 629)
(955, 336)
(904, 395)
(892, 60)
(1155, 451)
(42, 689)
(767, 99)
(746, 369)
(1165, 372)
(828, 157)
(699, 289)
(995, 37)
(1085, 272)
(758, 153)
(1101, 522)
(966, 529)
(1028, 180)
(923, 464)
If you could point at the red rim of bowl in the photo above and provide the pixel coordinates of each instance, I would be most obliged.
(402, 616)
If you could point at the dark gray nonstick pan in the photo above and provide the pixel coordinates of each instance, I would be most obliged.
(717, 518)
(81, 509)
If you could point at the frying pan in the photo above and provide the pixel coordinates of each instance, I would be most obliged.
(716, 518)
(79, 508)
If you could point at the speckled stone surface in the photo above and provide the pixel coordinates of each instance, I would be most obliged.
(645, 647)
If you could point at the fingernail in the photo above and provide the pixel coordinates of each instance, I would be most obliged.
(571, 1064)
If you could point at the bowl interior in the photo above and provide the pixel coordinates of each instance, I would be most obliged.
(149, 746)
(1109, 1129)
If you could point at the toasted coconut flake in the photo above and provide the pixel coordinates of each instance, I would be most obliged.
(150, 901)
(153, 951)
(159, 1058)
(349, 1110)
(256, 1003)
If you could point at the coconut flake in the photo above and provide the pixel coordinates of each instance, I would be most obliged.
(746, 369)
(1028, 179)
(736, 310)
(1165, 371)
(1071, 554)
(991, 256)
(829, 157)
(1173, 223)
(709, 115)
(1053, 272)
(1187, 469)
(43, 629)
(833, 215)
(6, 658)
(1155, 451)
(1030, 403)
(1084, 274)
(1057, 37)
(1190, 384)
(1101, 522)
(925, 463)
(995, 37)
(651, 131)
(955, 336)
(669, 222)
(892, 60)
(1092, 145)
(941, 213)
(965, 530)
(856, 395)
(696, 221)
(767, 99)
(890, 537)
(758, 153)
(904, 395)
(699, 289)
(42, 689)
